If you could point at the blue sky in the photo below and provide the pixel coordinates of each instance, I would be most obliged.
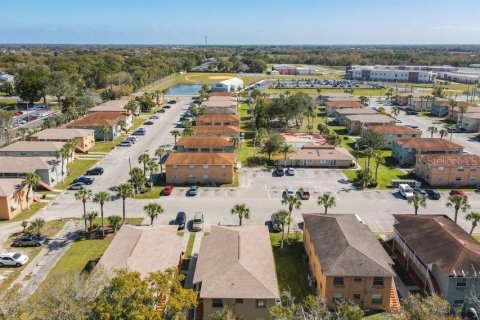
(241, 22)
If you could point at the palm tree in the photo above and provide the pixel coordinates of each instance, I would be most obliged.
(286, 149)
(395, 111)
(153, 210)
(160, 152)
(235, 141)
(100, 198)
(63, 154)
(242, 211)
(475, 217)
(327, 200)
(23, 132)
(144, 158)
(175, 133)
(369, 153)
(115, 222)
(132, 106)
(91, 215)
(443, 133)
(84, 195)
(31, 181)
(37, 226)
(282, 217)
(24, 225)
(71, 147)
(292, 202)
(122, 124)
(138, 179)
(463, 109)
(453, 104)
(379, 160)
(104, 130)
(152, 166)
(432, 130)
(418, 201)
(125, 190)
(458, 203)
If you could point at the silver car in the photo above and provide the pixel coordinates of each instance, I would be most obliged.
(197, 224)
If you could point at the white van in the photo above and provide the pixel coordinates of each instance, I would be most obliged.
(405, 190)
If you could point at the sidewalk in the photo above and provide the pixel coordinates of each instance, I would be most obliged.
(193, 261)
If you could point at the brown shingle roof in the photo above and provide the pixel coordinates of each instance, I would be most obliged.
(344, 104)
(437, 240)
(9, 186)
(143, 249)
(370, 118)
(111, 106)
(61, 134)
(346, 247)
(215, 129)
(237, 262)
(200, 159)
(348, 111)
(394, 129)
(413, 94)
(204, 142)
(217, 117)
(48, 146)
(433, 144)
(219, 103)
(24, 164)
(98, 119)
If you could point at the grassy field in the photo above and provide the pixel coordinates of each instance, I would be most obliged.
(356, 92)
(153, 193)
(34, 208)
(477, 237)
(76, 168)
(246, 149)
(292, 272)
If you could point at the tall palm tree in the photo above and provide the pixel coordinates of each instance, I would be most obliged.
(175, 133)
(37, 225)
(432, 130)
(71, 147)
(63, 154)
(395, 111)
(458, 203)
(30, 181)
(463, 109)
(160, 152)
(369, 153)
(84, 195)
(144, 158)
(152, 166)
(418, 201)
(475, 218)
(153, 210)
(91, 215)
(292, 202)
(282, 217)
(104, 130)
(443, 133)
(379, 160)
(286, 149)
(115, 222)
(122, 123)
(125, 190)
(100, 198)
(453, 104)
(137, 178)
(242, 211)
(327, 200)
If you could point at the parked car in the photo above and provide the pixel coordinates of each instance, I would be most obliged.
(453, 130)
(197, 224)
(97, 171)
(125, 143)
(16, 259)
(411, 112)
(405, 190)
(139, 132)
(181, 219)
(172, 101)
(168, 190)
(29, 241)
(161, 111)
(289, 191)
(291, 172)
(85, 180)
(303, 194)
(132, 139)
(457, 192)
(398, 121)
(420, 191)
(148, 123)
(279, 171)
(276, 225)
(433, 194)
(76, 186)
(410, 126)
(193, 191)
(154, 117)
(166, 107)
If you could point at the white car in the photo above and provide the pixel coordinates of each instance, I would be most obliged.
(405, 190)
(289, 191)
(290, 172)
(16, 259)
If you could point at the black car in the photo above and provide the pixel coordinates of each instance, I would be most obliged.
(420, 191)
(279, 171)
(97, 171)
(148, 123)
(453, 130)
(181, 219)
(166, 107)
(29, 241)
(161, 111)
(433, 194)
(172, 101)
(85, 180)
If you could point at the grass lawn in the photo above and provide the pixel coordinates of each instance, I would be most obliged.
(102, 146)
(154, 193)
(377, 316)
(476, 237)
(292, 272)
(34, 208)
(76, 168)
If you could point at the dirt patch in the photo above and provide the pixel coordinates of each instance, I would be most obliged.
(219, 77)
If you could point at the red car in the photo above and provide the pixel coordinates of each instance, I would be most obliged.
(457, 192)
(168, 190)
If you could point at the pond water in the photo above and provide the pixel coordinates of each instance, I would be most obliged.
(184, 89)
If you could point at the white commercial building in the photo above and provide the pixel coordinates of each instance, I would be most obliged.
(229, 85)
(390, 73)
(5, 77)
(463, 75)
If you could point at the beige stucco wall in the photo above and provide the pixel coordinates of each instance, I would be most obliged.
(247, 309)
(6, 212)
(182, 174)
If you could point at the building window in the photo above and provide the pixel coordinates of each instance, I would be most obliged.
(174, 167)
(458, 179)
(377, 281)
(217, 303)
(441, 168)
(192, 167)
(174, 176)
(460, 168)
(458, 302)
(239, 301)
(473, 168)
(357, 279)
(376, 298)
(337, 297)
(356, 297)
(205, 166)
(260, 303)
(338, 281)
(223, 166)
(461, 282)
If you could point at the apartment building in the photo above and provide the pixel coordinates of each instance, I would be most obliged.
(347, 262)
(341, 114)
(13, 197)
(356, 123)
(405, 150)
(216, 131)
(32, 149)
(205, 144)
(319, 156)
(393, 132)
(469, 121)
(85, 138)
(331, 107)
(97, 120)
(49, 169)
(218, 119)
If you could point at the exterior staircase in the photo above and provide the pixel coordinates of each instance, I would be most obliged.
(199, 310)
(162, 303)
(394, 302)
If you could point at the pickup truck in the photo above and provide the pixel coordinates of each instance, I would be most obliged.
(303, 194)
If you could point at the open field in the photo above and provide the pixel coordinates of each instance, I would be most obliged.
(356, 92)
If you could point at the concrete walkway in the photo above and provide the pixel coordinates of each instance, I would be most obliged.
(37, 270)
(185, 238)
(193, 261)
